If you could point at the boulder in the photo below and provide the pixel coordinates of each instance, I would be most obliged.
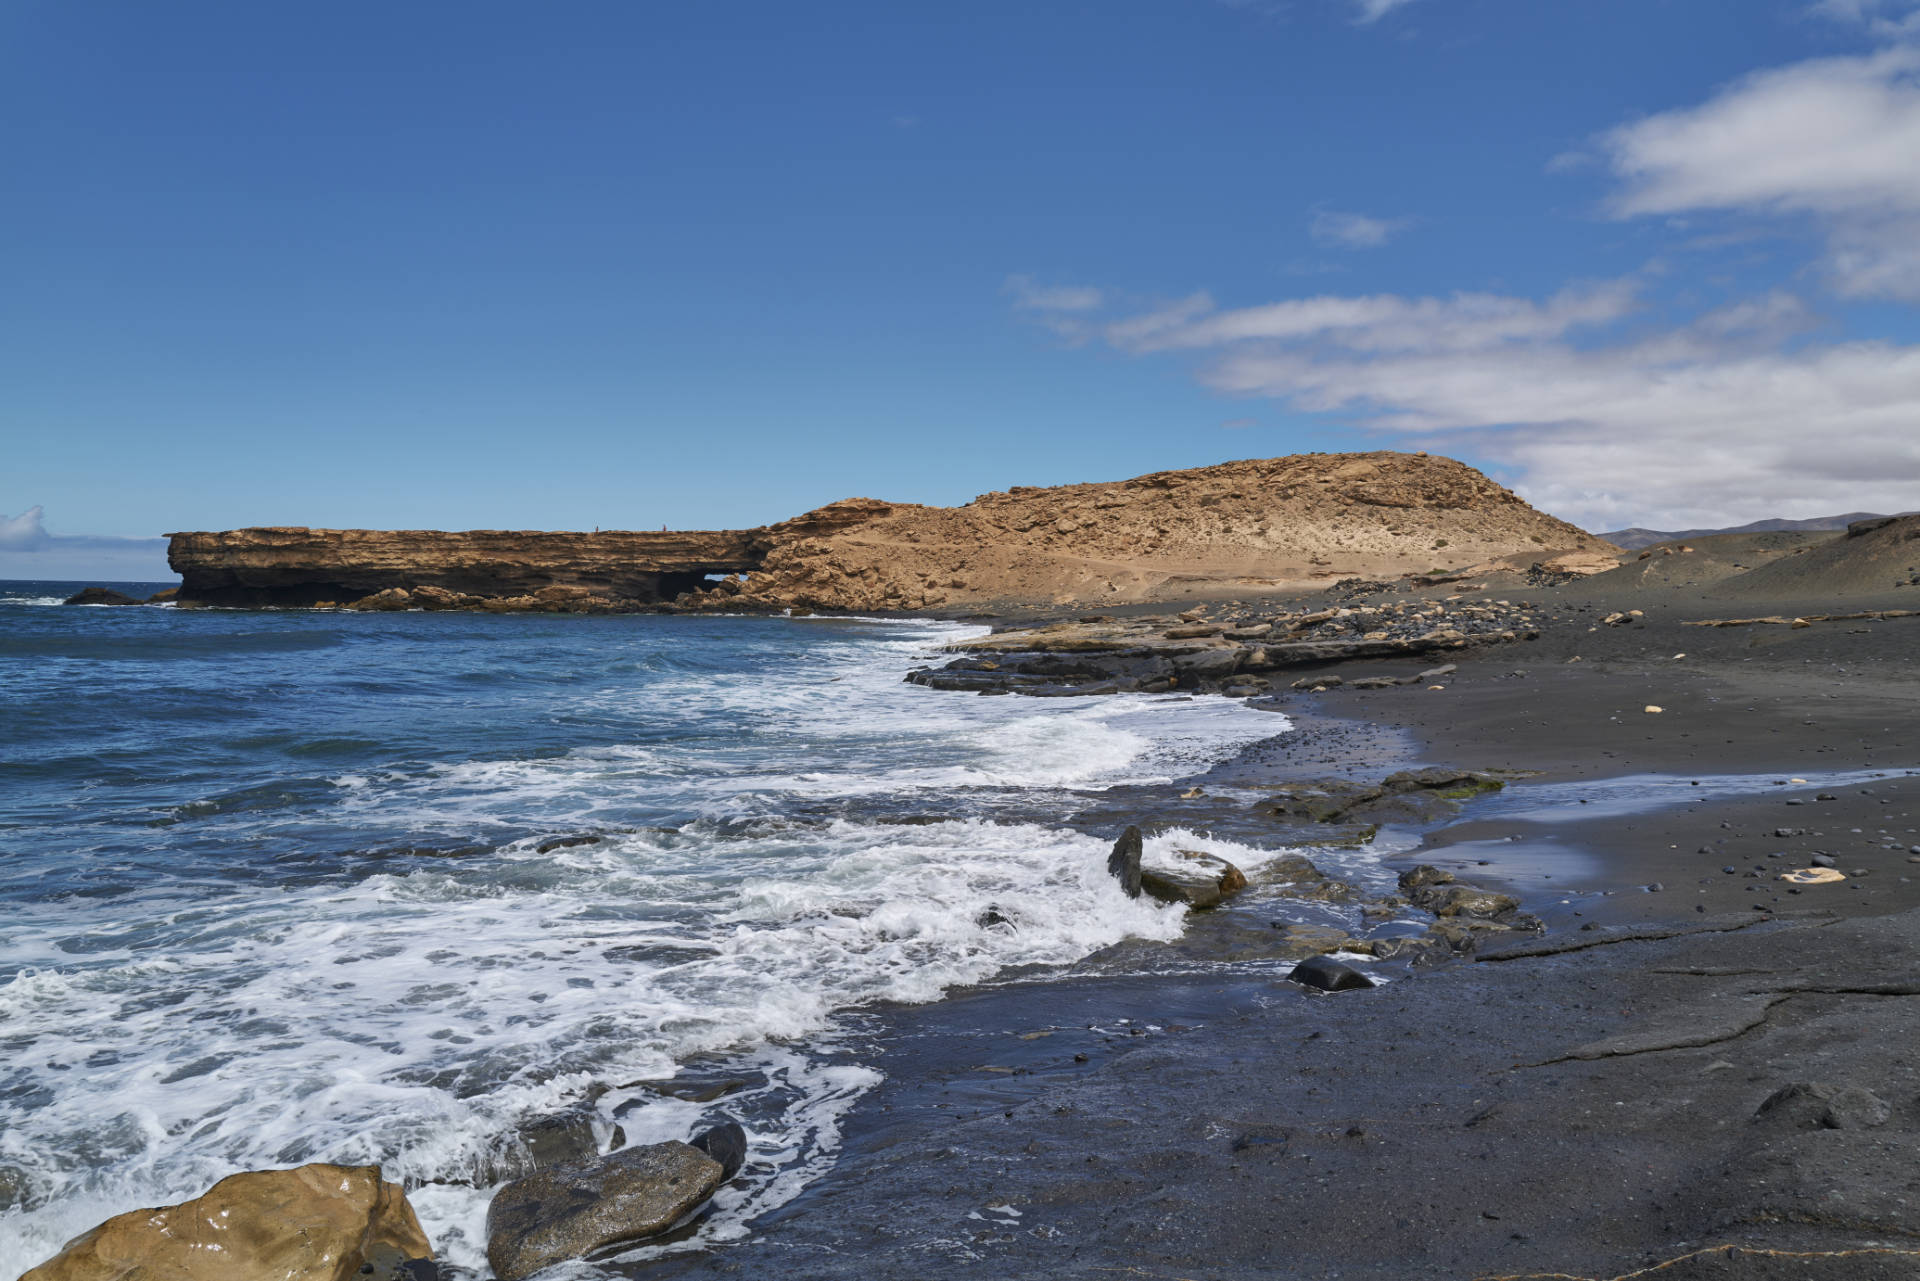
(1124, 863)
(576, 1210)
(1328, 975)
(312, 1223)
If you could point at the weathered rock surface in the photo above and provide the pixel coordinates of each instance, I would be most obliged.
(1200, 880)
(313, 1223)
(1123, 864)
(575, 1210)
(1291, 522)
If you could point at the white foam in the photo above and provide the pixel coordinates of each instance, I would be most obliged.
(410, 1018)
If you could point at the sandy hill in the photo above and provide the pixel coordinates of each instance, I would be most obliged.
(1873, 557)
(1704, 562)
(1264, 524)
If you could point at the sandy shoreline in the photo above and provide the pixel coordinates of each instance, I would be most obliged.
(1585, 1106)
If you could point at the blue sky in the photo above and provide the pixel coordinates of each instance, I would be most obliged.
(606, 264)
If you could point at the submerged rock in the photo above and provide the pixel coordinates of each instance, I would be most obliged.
(313, 1223)
(575, 1210)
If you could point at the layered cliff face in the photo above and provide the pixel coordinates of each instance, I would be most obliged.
(291, 565)
(1267, 524)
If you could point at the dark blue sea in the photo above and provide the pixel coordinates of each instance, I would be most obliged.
(280, 887)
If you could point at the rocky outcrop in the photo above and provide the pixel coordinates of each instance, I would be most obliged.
(1305, 520)
(298, 566)
(313, 1223)
(1266, 524)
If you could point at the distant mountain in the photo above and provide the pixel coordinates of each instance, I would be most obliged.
(1635, 539)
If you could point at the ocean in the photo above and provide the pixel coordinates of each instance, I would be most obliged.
(299, 886)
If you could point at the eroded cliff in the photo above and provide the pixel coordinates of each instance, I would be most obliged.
(1265, 524)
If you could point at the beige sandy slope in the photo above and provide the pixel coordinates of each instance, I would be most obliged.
(1263, 524)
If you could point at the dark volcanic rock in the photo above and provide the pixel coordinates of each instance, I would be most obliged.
(726, 1144)
(1124, 862)
(575, 1210)
(101, 596)
(1328, 975)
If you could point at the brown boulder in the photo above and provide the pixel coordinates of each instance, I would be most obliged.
(393, 598)
(313, 1223)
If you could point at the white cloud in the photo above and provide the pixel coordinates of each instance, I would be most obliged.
(1031, 296)
(1353, 230)
(1887, 18)
(1716, 421)
(24, 532)
(1833, 139)
(1374, 10)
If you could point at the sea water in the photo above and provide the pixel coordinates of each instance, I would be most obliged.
(279, 887)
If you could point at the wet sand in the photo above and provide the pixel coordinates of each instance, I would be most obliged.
(1584, 1103)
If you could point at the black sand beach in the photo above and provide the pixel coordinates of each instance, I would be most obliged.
(1588, 1102)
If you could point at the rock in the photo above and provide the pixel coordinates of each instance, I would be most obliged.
(726, 1144)
(1124, 863)
(1422, 875)
(1824, 860)
(312, 1223)
(101, 596)
(1190, 633)
(393, 598)
(1809, 1105)
(164, 596)
(575, 1210)
(1318, 682)
(558, 1138)
(1296, 877)
(1435, 673)
(1465, 900)
(1374, 682)
(1210, 882)
(1312, 940)
(1328, 975)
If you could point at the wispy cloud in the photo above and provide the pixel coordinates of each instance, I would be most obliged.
(1893, 19)
(1832, 139)
(1354, 230)
(1031, 296)
(1371, 11)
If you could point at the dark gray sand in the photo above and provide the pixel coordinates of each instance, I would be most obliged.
(1587, 1103)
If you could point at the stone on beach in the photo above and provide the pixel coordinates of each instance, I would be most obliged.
(575, 1210)
(1328, 975)
(312, 1223)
